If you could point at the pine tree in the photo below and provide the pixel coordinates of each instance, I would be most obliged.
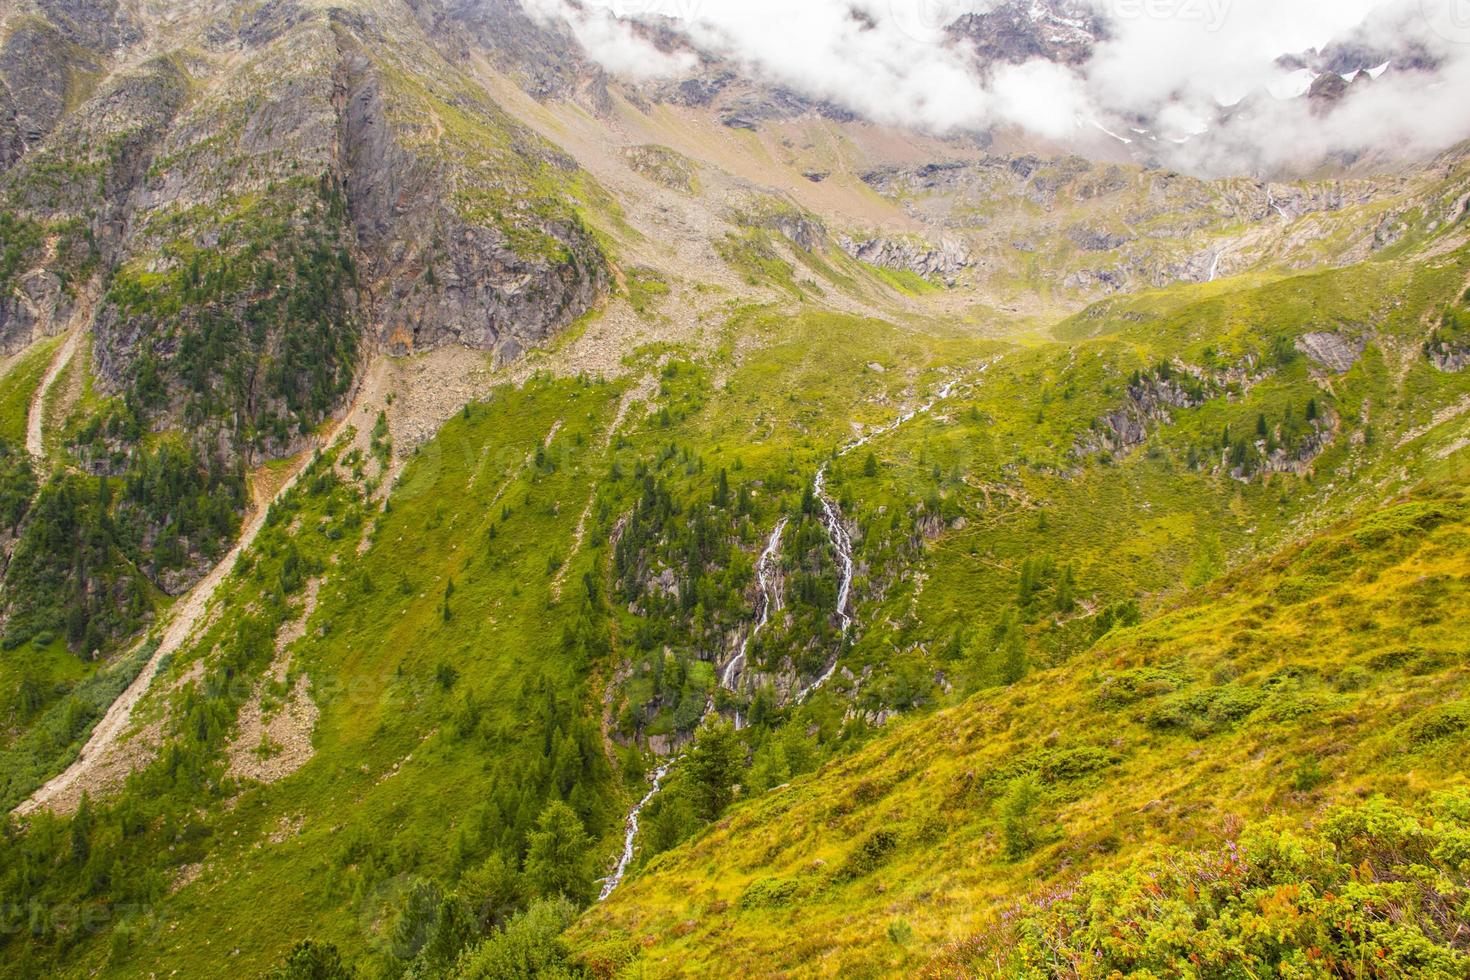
(1066, 598)
(494, 891)
(558, 860)
(81, 831)
(311, 960)
(1000, 655)
(1013, 655)
(1018, 818)
(452, 930)
(1027, 585)
(418, 914)
(714, 766)
(722, 491)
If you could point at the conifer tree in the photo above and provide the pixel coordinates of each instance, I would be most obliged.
(558, 860)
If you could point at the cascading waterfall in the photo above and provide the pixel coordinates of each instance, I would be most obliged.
(1272, 205)
(630, 832)
(841, 543)
(837, 531)
(769, 600)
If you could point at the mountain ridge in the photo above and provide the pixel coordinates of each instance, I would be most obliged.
(416, 436)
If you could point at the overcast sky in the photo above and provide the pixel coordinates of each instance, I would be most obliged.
(1174, 62)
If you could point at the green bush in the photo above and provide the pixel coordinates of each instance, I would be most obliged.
(1131, 686)
(1376, 890)
(1204, 712)
(1018, 818)
(529, 946)
(770, 893)
(868, 856)
(1439, 723)
(309, 960)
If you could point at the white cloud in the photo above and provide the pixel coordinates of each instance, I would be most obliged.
(1211, 51)
(854, 54)
(1176, 63)
(611, 39)
(1043, 97)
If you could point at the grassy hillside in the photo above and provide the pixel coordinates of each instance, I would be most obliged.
(1331, 672)
(497, 522)
(19, 383)
(399, 704)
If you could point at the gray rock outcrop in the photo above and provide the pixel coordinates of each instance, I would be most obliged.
(1331, 351)
(313, 139)
(1147, 405)
(944, 261)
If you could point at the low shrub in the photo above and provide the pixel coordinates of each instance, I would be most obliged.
(1376, 890)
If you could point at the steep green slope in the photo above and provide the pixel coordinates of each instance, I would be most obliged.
(559, 578)
(442, 676)
(1332, 670)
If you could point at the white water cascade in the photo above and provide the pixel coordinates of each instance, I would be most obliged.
(630, 832)
(837, 531)
(770, 600)
(841, 543)
(1272, 205)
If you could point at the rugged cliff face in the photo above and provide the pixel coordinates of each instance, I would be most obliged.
(229, 209)
(457, 241)
(267, 193)
(1015, 31)
(545, 61)
(51, 53)
(944, 261)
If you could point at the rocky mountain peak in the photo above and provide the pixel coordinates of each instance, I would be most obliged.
(1015, 31)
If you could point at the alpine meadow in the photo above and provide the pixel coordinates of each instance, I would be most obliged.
(631, 489)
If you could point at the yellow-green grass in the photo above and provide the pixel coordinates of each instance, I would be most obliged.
(18, 389)
(1341, 657)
